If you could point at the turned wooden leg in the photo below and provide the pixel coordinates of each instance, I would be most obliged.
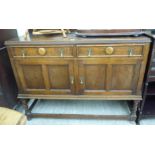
(133, 115)
(26, 108)
(32, 105)
(139, 113)
(139, 118)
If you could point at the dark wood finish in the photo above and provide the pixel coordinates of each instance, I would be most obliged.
(119, 50)
(111, 31)
(80, 68)
(147, 108)
(81, 116)
(43, 75)
(104, 77)
(8, 88)
(55, 77)
(133, 115)
(46, 41)
(58, 51)
(108, 32)
(32, 105)
(81, 97)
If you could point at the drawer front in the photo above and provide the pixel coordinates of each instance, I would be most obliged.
(109, 50)
(42, 52)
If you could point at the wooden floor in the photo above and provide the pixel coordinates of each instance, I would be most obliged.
(80, 107)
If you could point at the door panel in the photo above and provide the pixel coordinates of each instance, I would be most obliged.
(45, 77)
(59, 76)
(111, 77)
(122, 76)
(92, 77)
(33, 76)
(95, 77)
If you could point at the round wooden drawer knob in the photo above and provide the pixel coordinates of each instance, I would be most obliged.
(109, 50)
(42, 51)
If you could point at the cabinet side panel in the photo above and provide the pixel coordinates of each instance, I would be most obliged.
(146, 49)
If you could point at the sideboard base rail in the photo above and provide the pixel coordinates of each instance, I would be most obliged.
(28, 111)
(81, 97)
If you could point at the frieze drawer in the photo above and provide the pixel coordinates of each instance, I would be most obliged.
(42, 52)
(110, 50)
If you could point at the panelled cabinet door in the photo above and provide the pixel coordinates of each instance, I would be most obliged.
(108, 76)
(55, 77)
(91, 77)
(60, 77)
(124, 77)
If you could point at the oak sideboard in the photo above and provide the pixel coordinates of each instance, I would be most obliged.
(53, 67)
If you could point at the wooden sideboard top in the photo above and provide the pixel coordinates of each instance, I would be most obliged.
(73, 39)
